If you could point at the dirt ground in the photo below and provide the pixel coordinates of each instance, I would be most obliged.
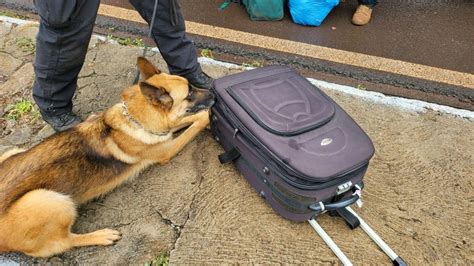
(418, 195)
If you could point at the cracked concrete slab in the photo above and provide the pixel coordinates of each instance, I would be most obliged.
(5, 29)
(20, 80)
(10, 44)
(417, 194)
(8, 64)
(18, 137)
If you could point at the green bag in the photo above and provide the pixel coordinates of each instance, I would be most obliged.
(260, 9)
(265, 9)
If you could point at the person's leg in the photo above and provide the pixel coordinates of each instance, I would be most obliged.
(364, 12)
(61, 46)
(169, 34)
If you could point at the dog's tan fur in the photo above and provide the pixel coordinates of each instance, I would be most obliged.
(40, 188)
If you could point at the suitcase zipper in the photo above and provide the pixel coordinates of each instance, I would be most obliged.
(291, 171)
(240, 127)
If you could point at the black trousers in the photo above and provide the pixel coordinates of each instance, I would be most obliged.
(64, 34)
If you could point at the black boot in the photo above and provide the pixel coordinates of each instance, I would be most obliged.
(60, 121)
(200, 80)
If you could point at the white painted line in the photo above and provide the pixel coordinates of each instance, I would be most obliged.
(404, 103)
(16, 21)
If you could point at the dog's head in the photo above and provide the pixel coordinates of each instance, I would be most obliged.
(161, 101)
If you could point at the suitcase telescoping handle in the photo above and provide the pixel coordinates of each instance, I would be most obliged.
(343, 208)
(396, 260)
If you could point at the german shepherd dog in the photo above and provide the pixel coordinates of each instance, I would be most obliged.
(41, 187)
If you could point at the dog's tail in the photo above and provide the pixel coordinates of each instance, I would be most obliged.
(38, 224)
(10, 153)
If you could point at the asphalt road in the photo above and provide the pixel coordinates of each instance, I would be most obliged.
(429, 32)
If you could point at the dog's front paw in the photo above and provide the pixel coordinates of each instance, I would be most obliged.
(202, 119)
(106, 237)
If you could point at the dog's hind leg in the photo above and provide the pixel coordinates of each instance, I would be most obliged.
(10, 153)
(39, 224)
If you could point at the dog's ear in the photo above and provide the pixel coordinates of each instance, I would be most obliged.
(146, 68)
(156, 96)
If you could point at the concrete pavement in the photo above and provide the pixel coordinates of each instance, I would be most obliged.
(417, 195)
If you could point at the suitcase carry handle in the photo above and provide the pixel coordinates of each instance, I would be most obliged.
(320, 206)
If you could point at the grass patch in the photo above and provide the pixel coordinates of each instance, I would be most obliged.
(11, 14)
(25, 44)
(254, 63)
(206, 53)
(136, 42)
(361, 87)
(22, 108)
(161, 260)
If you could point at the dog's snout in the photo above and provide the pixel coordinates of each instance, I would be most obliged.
(201, 99)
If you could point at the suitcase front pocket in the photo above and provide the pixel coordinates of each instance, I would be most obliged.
(283, 104)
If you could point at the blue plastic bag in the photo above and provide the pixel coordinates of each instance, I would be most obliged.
(310, 12)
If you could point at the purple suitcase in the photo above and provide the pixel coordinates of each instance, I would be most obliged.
(302, 153)
(299, 149)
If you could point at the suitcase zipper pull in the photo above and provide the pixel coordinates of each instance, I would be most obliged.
(235, 132)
